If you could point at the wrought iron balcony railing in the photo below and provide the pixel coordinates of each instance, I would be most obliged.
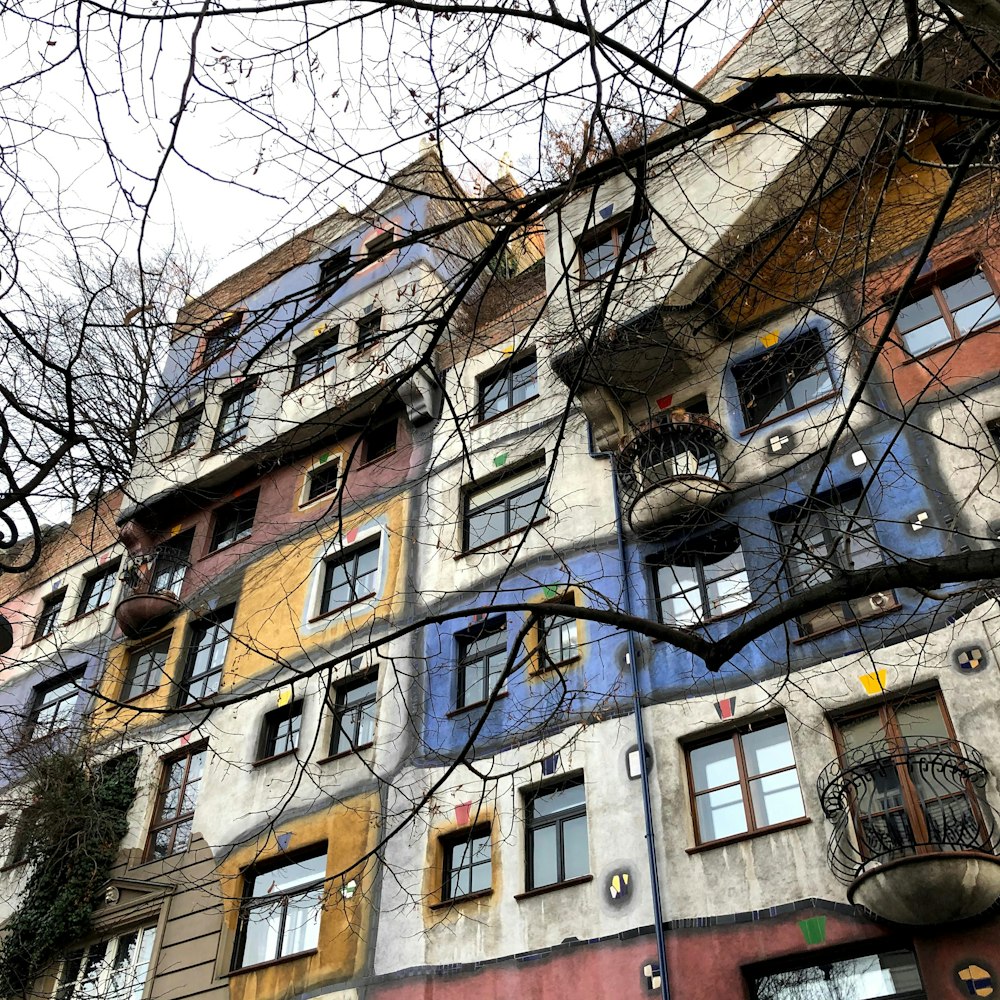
(153, 582)
(889, 801)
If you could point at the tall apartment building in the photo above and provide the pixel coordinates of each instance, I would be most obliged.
(401, 620)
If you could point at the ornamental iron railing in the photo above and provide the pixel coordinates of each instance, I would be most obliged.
(160, 571)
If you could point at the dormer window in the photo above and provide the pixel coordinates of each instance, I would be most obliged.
(601, 247)
(333, 272)
(221, 337)
(380, 245)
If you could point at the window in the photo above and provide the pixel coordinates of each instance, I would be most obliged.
(221, 338)
(369, 327)
(468, 863)
(206, 656)
(188, 425)
(380, 245)
(170, 566)
(756, 109)
(97, 588)
(322, 480)
(334, 271)
(704, 580)
(115, 968)
(948, 309)
(281, 908)
(353, 715)
(515, 383)
(508, 503)
(379, 440)
(744, 782)
(350, 577)
(887, 975)
(145, 669)
(281, 731)
(315, 358)
(52, 706)
(234, 417)
(822, 538)
(557, 834)
(176, 798)
(785, 378)
(557, 636)
(234, 521)
(482, 657)
(600, 247)
(49, 614)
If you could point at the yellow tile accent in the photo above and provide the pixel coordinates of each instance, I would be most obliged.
(873, 683)
(508, 348)
(770, 339)
(284, 697)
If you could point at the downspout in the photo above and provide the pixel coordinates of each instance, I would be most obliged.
(640, 732)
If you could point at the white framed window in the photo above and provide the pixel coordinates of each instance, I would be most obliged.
(347, 577)
(113, 969)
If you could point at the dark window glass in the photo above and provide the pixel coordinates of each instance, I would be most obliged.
(49, 614)
(145, 669)
(52, 706)
(482, 656)
(705, 580)
(322, 480)
(946, 311)
(508, 504)
(601, 247)
(172, 560)
(369, 327)
(234, 521)
(206, 656)
(221, 338)
(176, 798)
(97, 588)
(785, 378)
(379, 246)
(468, 864)
(281, 909)
(883, 976)
(350, 577)
(514, 384)
(379, 440)
(557, 636)
(281, 730)
(314, 359)
(234, 416)
(115, 969)
(354, 708)
(334, 271)
(743, 782)
(188, 425)
(557, 834)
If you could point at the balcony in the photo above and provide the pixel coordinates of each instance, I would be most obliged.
(914, 838)
(153, 582)
(670, 472)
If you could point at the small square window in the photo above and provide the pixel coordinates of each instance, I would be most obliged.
(186, 433)
(334, 271)
(234, 521)
(206, 656)
(380, 245)
(379, 440)
(234, 416)
(97, 588)
(322, 480)
(354, 705)
(176, 798)
(145, 668)
(53, 705)
(48, 616)
(468, 863)
(505, 504)
(280, 733)
(482, 658)
(316, 358)
(350, 577)
(557, 845)
(744, 782)
(787, 377)
(600, 247)
(515, 383)
(369, 327)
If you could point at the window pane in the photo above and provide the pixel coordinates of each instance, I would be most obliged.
(544, 867)
(924, 310)
(523, 508)
(486, 524)
(729, 594)
(977, 315)
(683, 610)
(872, 977)
(970, 289)
(721, 813)
(714, 765)
(261, 925)
(921, 718)
(927, 337)
(575, 853)
(302, 921)
(767, 750)
(557, 801)
(810, 386)
(599, 258)
(776, 798)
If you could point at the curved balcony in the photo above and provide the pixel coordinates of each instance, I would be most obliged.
(914, 838)
(670, 471)
(153, 583)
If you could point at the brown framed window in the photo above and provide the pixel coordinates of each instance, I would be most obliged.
(556, 832)
(468, 863)
(355, 704)
(52, 706)
(97, 588)
(234, 521)
(333, 272)
(145, 669)
(206, 656)
(221, 338)
(600, 248)
(948, 308)
(48, 616)
(513, 384)
(280, 732)
(743, 782)
(176, 798)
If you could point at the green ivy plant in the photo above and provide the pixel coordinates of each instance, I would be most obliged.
(72, 828)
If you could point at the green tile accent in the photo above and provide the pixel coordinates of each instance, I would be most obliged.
(813, 930)
(550, 592)
(500, 459)
(323, 458)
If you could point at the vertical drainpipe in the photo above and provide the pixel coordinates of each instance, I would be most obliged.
(640, 733)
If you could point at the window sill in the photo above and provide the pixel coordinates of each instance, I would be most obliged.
(548, 668)
(794, 412)
(473, 706)
(309, 381)
(136, 697)
(501, 538)
(749, 835)
(446, 904)
(542, 890)
(367, 598)
(604, 275)
(376, 459)
(821, 633)
(226, 545)
(706, 622)
(276, 756)
(352, 752)
(218, 449)
(503, 413)
(270, 962)
(322, 496)
(180, 451)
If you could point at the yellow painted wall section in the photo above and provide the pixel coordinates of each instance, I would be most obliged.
(269, 615)
(857, 225)
(350, 829)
